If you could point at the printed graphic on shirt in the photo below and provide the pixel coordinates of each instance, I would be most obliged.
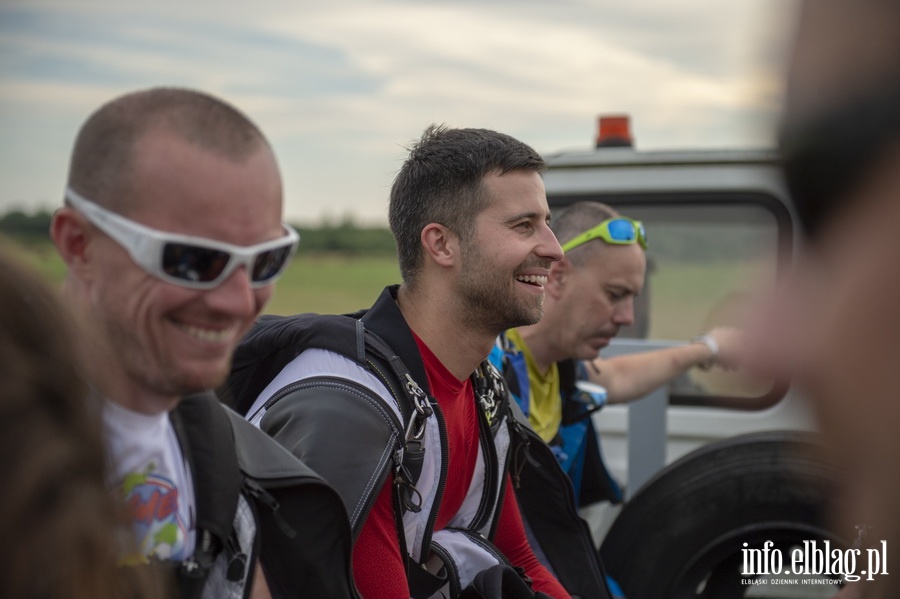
(152, 502)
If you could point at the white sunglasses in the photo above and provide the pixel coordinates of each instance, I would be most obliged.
(188, 261)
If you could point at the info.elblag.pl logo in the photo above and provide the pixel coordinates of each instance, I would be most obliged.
(813, 558)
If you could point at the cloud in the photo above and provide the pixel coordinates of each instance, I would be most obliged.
(340, 88)
(471, 65)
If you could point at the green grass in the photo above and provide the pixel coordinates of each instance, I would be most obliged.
(39, 255)
(331, 283)
(690, 298)
(325, 282)
(687, 298)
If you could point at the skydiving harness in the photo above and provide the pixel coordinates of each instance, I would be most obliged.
(255, 365)
(383, 345)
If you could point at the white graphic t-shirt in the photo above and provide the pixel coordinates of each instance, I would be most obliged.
(149, 471)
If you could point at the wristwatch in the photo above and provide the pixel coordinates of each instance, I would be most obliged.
(710, 343)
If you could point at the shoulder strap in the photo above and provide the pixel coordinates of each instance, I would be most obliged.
(567, 375)
(491, 392)
(512, 365)
(547, 501)
(276, 340)
(205, 436)
(304, 527)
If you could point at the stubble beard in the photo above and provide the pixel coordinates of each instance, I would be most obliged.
(150, 373)
(490, 300)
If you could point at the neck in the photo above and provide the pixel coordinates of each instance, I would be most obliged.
(120, 391)
(107, 371)
(147, 404)
(538, 342)
(437, 323)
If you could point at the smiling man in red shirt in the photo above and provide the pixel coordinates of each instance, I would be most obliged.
(470, 217)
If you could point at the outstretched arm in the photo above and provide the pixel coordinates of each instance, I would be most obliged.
(633, 376)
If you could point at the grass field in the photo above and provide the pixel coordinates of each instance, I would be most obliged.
(327, 283)
(41, 256)
(331, 283)
(687, 298)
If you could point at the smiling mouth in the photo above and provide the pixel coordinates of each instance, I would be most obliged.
(207, 335)
(536, 280)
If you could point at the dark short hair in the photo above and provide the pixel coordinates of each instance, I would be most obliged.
(440, 182)
(574, 220)
(103, 152)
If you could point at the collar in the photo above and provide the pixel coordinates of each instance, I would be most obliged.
(385, 320)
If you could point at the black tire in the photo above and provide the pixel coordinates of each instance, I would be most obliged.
(681, 535)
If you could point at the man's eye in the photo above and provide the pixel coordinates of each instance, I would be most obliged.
(525, 226)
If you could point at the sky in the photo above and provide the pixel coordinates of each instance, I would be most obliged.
(342, 88)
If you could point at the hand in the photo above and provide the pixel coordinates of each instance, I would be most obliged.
(732, 343)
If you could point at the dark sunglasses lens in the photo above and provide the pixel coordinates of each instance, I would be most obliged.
(268, 264)
(621, 230)
(193, 263)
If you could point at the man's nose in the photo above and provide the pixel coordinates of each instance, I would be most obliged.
(624, 313)
(235, 296)
(549, 247)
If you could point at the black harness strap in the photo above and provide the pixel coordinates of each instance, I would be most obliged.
(216, 480)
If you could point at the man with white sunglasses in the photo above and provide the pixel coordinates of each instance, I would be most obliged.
(173, 238)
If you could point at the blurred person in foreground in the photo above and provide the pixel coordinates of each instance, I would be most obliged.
(589, 295)
(60, 526)
(172, 238)
(835, 325)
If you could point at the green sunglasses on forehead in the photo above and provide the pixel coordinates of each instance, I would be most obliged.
(620, 230)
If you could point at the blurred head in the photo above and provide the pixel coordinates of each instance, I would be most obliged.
(835, 325)
(55, 505)
(197, 185)
(841, 118)
(592, 289)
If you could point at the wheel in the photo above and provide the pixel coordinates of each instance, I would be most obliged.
(682, 535)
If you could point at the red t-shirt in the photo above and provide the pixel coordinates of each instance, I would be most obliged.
(378, 567)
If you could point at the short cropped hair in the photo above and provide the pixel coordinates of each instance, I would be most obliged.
(574, 220)
(104, 148)
(440, 182)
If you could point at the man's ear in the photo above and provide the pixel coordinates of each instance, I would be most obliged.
(440, 244)
(71, 235)
(559, 275)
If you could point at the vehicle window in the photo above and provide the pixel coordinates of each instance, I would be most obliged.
(706, 264)
(709, 258)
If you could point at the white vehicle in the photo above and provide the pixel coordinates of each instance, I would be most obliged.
(711, 461)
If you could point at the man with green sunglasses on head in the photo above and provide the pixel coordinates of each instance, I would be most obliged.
(589, 296)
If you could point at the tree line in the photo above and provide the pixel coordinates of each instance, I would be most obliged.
(686, 242)
(345, 237)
